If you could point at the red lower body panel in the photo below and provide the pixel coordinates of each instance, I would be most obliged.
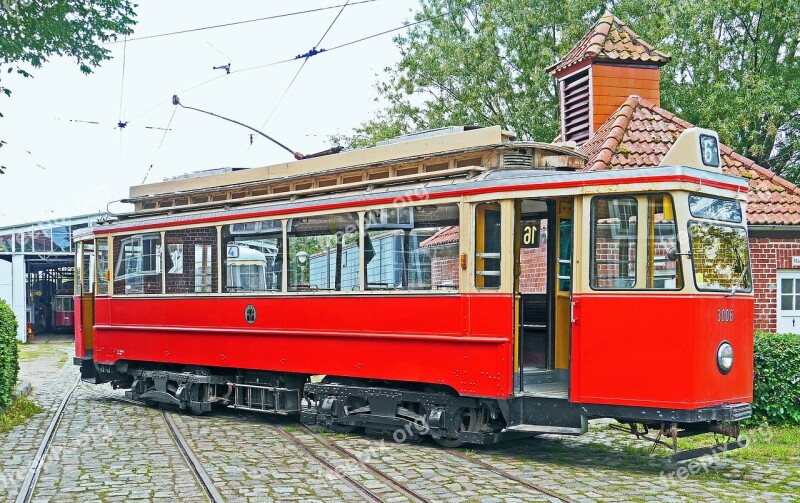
(463, 341)
(660, 351)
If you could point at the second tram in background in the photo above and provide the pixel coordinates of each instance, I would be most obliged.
(459, 284)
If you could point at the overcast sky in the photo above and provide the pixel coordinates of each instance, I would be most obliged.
(58, 167)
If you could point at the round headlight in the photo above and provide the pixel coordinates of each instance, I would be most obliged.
(725, 357)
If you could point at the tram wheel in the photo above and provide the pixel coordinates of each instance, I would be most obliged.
(352, 403)
(470, 419)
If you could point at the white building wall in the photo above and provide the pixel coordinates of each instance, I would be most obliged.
(18, 300)
(5, 281)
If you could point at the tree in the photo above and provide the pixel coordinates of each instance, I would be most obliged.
(32, 31)
(480, 63)
(734, 69)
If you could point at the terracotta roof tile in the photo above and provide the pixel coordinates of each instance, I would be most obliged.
(639, 133)
(611, 39)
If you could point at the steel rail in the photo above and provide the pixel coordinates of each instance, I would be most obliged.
(28, 485)
(388, 480)
(349, 481)
(511, 476)
(197, 468)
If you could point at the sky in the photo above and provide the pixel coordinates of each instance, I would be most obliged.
(59, 166)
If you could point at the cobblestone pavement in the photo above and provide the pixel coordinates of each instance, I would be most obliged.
(107, 450)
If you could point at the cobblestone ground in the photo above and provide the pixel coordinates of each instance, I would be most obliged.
(107, 450)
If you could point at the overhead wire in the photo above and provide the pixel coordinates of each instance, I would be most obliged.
(291, 83)
(121, 124)
(235, 23)
(155, 156)
(289, 60)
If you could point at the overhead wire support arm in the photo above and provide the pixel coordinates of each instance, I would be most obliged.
(297, 155)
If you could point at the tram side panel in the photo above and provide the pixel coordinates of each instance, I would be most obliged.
(661, 350)
(461, 341)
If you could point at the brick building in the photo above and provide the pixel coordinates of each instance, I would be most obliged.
(610, 106)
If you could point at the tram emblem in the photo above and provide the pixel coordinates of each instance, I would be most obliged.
(250, 314)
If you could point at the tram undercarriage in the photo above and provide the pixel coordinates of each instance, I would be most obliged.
(409, 411)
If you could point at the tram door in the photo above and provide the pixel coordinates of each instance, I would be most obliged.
(543, 248)
(84, 286)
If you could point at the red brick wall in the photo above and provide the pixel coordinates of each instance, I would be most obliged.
(533, 269)
(767, 255)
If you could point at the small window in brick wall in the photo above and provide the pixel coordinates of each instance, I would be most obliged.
(191, 260)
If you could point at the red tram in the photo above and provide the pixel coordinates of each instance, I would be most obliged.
(523, 296)
(63, 312)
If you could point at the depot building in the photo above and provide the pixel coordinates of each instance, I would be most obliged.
(37, 274)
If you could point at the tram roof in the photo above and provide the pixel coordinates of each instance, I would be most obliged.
(393, 153)
(489, 182)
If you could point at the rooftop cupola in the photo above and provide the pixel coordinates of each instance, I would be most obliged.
(609, 64)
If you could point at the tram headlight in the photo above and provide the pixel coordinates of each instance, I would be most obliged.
(725, 357)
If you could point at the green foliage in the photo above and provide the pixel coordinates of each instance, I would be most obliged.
(735, 68)
(9, 354)
(33, 31)
(776, 387)
(18, 413)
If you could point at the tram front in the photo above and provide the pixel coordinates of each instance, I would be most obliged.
(662, 333)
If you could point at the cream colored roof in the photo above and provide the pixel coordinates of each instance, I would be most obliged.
(352, 158)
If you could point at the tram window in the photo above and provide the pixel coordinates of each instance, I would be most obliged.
(88, 267)
(412, 248)
(253, 256)
(137, 264)
(78, 270)
(317, 246)
(662, 234)
(720, 257)
(102, 266)
(613, 254)
(565, 254)
(715, 209)
(487, 245)
(191, 260)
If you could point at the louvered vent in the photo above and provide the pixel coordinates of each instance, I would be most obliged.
(516, 159)
(575, 98)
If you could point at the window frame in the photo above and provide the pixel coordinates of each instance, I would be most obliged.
(703, 217)
(719, 223)
(592, 230)
(475, 257)
(679, 262)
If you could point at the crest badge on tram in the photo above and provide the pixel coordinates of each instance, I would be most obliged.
(250, 314)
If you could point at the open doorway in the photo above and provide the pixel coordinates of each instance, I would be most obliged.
(543, 258)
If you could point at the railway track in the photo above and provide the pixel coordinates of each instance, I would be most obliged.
(364, 492)
(511, 476)
(191, 460)
(32, 476)
(388, 480)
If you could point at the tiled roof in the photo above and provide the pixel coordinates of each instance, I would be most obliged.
(611, 39)
(639, 133)
(445, 236)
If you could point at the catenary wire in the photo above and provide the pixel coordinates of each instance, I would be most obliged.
(235, 23)
(166, 130)
(291, 83)
(289, 60)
